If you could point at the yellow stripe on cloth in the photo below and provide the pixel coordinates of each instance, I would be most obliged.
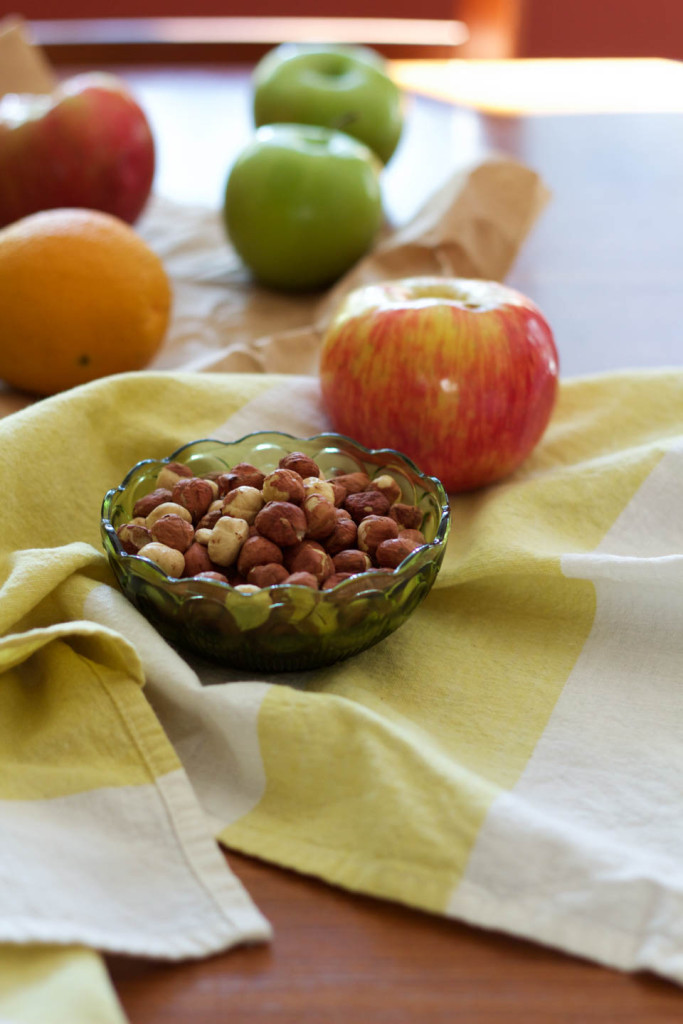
(52, 985)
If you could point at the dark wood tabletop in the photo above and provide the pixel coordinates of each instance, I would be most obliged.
(605, 263)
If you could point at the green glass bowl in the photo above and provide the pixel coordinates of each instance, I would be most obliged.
(281, 628)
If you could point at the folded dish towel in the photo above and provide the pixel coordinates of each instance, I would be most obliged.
(510, 756)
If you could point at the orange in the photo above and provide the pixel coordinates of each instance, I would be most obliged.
(81, 296)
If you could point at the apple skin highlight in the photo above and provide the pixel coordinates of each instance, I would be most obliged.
(464, 386)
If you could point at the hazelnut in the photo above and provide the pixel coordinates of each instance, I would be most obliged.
(366, 503)
(167, 508)
(257, 551)
(268, 575)
(320, 516)
(312, 485)
(202, 535)
(247, 588)
(194, 494)
(300, 463)
(282, 522)
(283, 485)
(241, 475)
(243, 502)
(303, 579)
(208, 521)
(353, 482)
(390, 553)
(344, 534)
(168, 559)
(351, 561)
(416, 535)
(218, 577)
(227, 539)
(334, 579)
(313, 559)
(338, 490)
(197, 560)
(133, 536)
(373, 530)
(169, 474)
(143, 506)
(173, 531)
(289, 554)
(408, 517)
(387, 486)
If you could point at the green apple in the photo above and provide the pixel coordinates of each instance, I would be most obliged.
(342, 87)
(302, 205)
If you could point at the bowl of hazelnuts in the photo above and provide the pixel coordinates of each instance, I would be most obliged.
(275, 553)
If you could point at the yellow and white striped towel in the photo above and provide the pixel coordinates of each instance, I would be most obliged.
(511, 756)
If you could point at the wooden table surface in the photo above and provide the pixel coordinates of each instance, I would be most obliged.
(605, 263)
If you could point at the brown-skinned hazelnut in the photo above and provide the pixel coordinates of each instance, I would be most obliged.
(209, 520)
(314, 559)
(300, 463)
(218, 577)
(353, 482)
(281, 522)
(373, 530)
(408, 517)
(173, 531)
(169, 474)
(366, 503)
(268, 575)
(197, 560)
(303, 579)
(344, 534)
(416, 535)
(133, 536)
(194, 494)
(320, 517)
(352, 561)
(338, 490)
(241, 475)
(390, 553)
(387, 486)
(257, 551)
(334, 579)
(283, 485)
(143, 506)
(243, 502)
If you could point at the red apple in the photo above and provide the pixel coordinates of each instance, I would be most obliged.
(460, 375)
(86, 144)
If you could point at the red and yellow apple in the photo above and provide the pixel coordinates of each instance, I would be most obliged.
(87, 144)
(460, 375)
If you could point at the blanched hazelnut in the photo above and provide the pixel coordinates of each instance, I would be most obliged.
(247, 588)
(241, 475)
(352, 561)
(227, 539)
(313, 485)
(197, 560)
(243, 502)
(373, 530)
(387, 486)
(168, 559)
(173, 531)
(366, 503)
(320, 517)
(268, 575)
(300, 463)
(303, 579)
(209, 520)
(257, 551)
(283, 485)
(281, 522)
(408, 517)
(169, 474)
(202, 535)
(390, 553)
(144, 505)
(167, 508)
(133, 536)
(344, 534)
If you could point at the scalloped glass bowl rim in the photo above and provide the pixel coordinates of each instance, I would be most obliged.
(411, 563)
